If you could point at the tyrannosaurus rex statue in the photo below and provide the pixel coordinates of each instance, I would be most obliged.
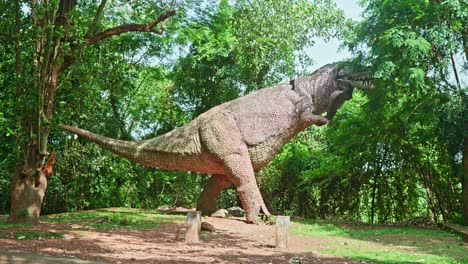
(233, 139)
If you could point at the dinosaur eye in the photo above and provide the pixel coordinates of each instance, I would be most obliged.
(341, 74)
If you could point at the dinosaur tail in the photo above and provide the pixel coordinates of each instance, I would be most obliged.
(127, 149)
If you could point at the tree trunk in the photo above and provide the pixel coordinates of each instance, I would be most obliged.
(324, 203)
(26, 198)
(374, 191)
(211, 192)
(465, 179)
(29, 185)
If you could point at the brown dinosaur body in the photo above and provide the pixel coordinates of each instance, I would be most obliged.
(232, 140)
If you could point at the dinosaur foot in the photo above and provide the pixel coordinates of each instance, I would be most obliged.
(259, 213)
(251, 199)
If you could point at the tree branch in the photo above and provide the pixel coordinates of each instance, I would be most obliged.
(130, 28)
(96, 18)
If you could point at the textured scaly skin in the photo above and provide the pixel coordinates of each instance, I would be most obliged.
(240, 136)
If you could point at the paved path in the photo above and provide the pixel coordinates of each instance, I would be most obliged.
(23, 258)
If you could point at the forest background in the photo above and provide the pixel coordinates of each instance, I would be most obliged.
(394, 153)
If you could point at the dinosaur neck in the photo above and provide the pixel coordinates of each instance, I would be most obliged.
(316, 89)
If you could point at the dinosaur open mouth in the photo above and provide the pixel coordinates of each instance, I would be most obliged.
(362, 81)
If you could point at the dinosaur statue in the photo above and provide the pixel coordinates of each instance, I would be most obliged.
(232, 140)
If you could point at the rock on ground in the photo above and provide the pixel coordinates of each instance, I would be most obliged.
(222, 213)
(207, 227)
(236, 211)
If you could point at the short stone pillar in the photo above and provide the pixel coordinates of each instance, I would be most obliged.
(180, 233)
(192, 234)
(282, 232)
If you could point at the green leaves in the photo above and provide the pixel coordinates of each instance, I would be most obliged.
(385, 70)
(238, 47)
(392, 153)
(416, 75)
(410, 45)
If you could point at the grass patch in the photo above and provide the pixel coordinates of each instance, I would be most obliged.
(112, 219)
(4, 225)
(385, 244)
(103, 219)
(31, 235)
(26, 232)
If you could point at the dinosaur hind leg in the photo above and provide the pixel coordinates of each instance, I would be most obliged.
(211, 192)
(240, 169)
(223, 140)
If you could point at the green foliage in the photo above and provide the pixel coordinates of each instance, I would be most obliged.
(273, 36)
(396, 152)
(285, 181)
(228, 198)
(411, 46)
(393, 153)
(8, 112)
(384, 244)
(240, 47)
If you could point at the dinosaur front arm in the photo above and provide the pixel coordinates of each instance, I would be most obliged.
(308, 115)
(314, 119)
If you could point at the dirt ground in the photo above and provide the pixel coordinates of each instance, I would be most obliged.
(233, 242)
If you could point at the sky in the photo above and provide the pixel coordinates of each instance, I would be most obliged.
(324, 53)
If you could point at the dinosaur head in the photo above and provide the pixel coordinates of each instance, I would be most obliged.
(349, 78)
(346, 78)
